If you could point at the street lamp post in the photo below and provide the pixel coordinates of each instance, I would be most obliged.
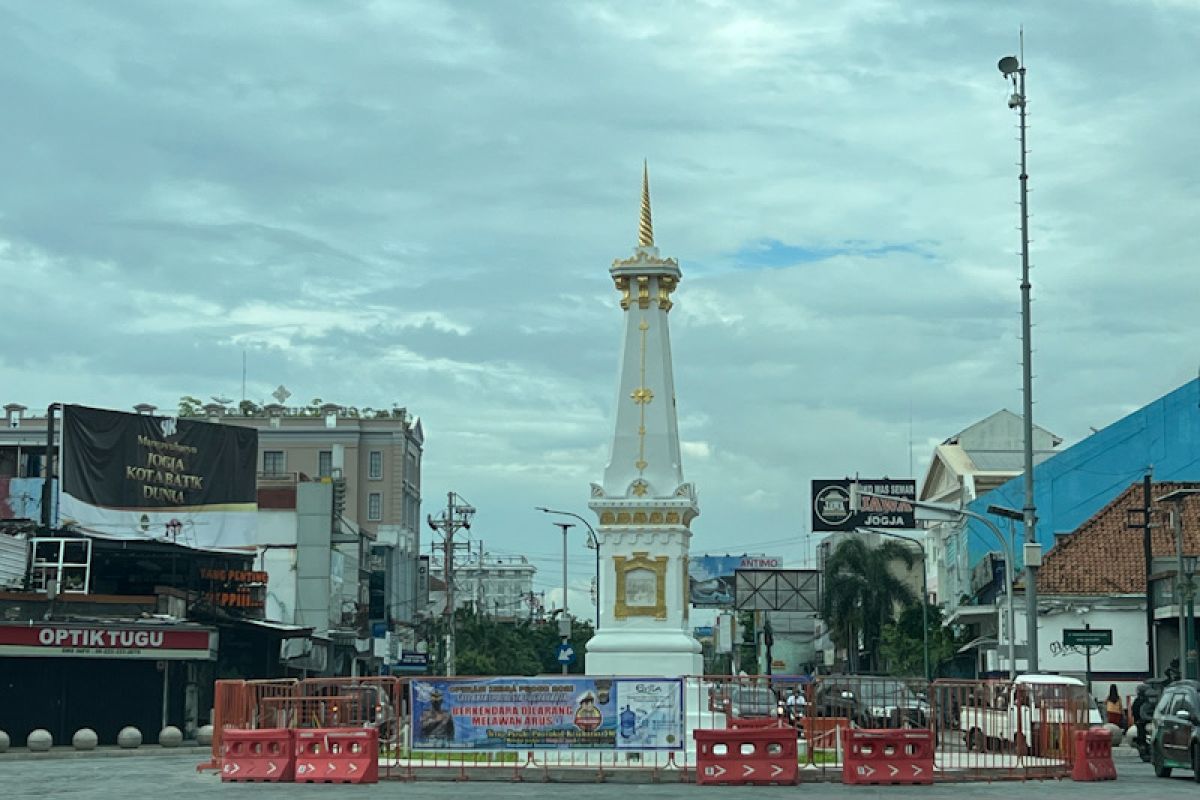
(593, 543)
(1013, 69)
(565, 621)
(924, 588)
(953, 511)
(1186, 567)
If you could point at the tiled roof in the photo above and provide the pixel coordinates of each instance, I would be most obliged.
(1103, 556)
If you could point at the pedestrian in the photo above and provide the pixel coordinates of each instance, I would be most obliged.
(1112, 707)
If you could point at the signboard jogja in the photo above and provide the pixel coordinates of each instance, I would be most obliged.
(710, 578)
(137, 476)
(569, 713)
(78, 641)
(831, 505)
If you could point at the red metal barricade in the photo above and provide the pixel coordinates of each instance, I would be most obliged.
(262, 755)
(757, 756)
(887, 757)
(1093, 756)
(337, 755)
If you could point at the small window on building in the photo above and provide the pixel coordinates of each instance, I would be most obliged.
(274, 462)
(64, 564)
(375, 465)
(325, 463)
(374, 506)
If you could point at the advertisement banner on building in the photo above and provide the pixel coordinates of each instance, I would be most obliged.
(137, 476)
(831, 504)
(56, 640)
(569, 713)
(710, 578)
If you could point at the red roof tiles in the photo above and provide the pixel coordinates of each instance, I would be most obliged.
(1104, 556)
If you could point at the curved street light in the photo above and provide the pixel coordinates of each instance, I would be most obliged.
(593, 543)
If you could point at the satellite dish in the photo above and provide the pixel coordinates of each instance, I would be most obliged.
(1008, 65)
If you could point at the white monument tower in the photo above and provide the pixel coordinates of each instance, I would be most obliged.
(643, 505)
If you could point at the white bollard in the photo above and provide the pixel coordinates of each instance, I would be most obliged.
(170, 736)
(4, 742)
(39, 741)
(130, 738)
(85, 739)
(204, 735)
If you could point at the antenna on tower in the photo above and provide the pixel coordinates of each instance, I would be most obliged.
(243, 374)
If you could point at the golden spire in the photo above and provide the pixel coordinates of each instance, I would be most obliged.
(645, 227)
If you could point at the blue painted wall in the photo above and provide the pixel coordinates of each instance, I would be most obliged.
(1073, 485)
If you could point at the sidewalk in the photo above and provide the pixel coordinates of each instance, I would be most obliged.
(108, 751)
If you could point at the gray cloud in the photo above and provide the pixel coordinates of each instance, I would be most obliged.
(418, 202)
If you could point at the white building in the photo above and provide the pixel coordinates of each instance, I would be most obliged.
(971, 463)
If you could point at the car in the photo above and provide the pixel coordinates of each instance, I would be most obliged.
(872, 702)
(744, 700)
(1176, 737)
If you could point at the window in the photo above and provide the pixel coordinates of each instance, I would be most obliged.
(374, 506)
(274, 462)
(324, 463)
(375, 465)
(65, 561)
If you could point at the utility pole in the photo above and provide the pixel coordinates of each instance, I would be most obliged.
(457, 516)
(1015, 69)
(1144, 525)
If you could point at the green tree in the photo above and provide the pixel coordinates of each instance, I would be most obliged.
(902, 644)
(190, 406)
(484, 645)
(861, 593)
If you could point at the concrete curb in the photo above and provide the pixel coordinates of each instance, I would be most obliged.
(108, 751)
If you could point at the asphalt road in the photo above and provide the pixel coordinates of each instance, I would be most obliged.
(175, 778)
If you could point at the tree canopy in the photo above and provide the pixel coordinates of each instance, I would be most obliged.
(862, 594)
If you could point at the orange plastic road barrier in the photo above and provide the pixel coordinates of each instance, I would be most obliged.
(337, 755)
(887, 757)
(264, 755)
(1093, 756)
(756, 756)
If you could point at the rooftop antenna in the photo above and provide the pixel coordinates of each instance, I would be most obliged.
(243, 374)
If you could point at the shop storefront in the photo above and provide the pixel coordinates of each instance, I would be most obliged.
(67, 676)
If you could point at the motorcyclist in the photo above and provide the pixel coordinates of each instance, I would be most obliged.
(1142, 712)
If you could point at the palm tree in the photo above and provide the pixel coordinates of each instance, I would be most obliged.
(861, 592)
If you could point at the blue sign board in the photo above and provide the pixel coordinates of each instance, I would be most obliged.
(554, 713)
(566, 654)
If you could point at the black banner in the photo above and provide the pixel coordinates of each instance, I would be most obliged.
(159, 475)
(831, 504)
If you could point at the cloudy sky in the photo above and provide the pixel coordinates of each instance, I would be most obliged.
(417, 203)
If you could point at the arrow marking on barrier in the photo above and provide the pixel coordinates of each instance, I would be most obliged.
(332, 767)
(232, 769)
(775, 770)
(747, 770)
(271, 767)
(917, 770)
(353, 767)
(894, 770)
(716, 770)
(865, 770)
